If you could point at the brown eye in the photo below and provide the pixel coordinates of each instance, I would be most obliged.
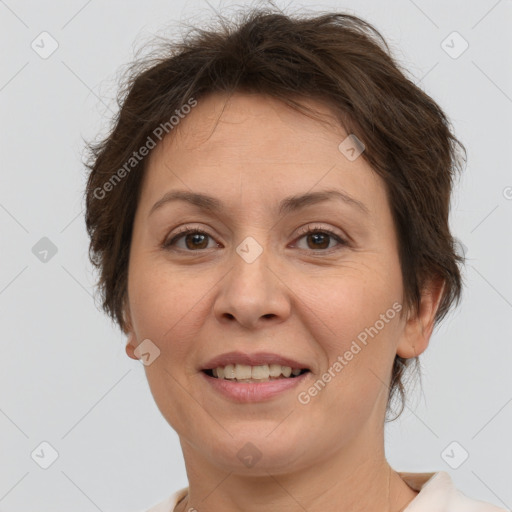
(194, 239)
(320, 238)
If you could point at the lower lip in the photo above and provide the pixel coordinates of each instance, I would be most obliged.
(253, 392)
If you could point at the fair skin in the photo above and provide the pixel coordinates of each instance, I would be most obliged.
(301, 299)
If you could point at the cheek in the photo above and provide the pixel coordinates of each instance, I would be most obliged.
(157, 301)
(170, 307)
(351, 301)
(357, 326)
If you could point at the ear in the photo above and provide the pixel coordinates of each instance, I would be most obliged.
(130, 346)
(419, 327)
(129, 331)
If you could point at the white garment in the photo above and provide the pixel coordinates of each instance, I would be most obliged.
(437, 493)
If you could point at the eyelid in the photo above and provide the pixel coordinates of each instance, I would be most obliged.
(183, 230)
(342, 239)
(315, 226)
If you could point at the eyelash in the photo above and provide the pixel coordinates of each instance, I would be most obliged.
(310, 230)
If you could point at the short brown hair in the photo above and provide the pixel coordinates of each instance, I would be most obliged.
(333, 57)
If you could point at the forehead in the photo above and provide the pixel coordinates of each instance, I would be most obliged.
(259, 144)
(221, 122)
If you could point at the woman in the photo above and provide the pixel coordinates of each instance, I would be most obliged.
(270, 221)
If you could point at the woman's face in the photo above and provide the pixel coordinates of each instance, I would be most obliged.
(257, 284)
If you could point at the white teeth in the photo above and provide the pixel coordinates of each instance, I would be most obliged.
(262, 372)
(286, 371)
(243, 371)
(275, 370)
(229, 371)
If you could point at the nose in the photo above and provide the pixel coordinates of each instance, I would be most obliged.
(253, 293)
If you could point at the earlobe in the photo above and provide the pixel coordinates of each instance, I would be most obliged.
(419, 327)
(130, 348)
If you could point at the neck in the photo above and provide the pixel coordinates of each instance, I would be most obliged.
(354, 478)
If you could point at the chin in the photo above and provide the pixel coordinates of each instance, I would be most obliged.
(257, 450)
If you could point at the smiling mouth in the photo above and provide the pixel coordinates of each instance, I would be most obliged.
(254, 374)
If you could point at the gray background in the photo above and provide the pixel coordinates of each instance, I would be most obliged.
(65, 377)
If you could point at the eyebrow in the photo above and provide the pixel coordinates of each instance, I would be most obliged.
(287, 205)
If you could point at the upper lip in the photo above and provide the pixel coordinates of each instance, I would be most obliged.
(257, 359)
